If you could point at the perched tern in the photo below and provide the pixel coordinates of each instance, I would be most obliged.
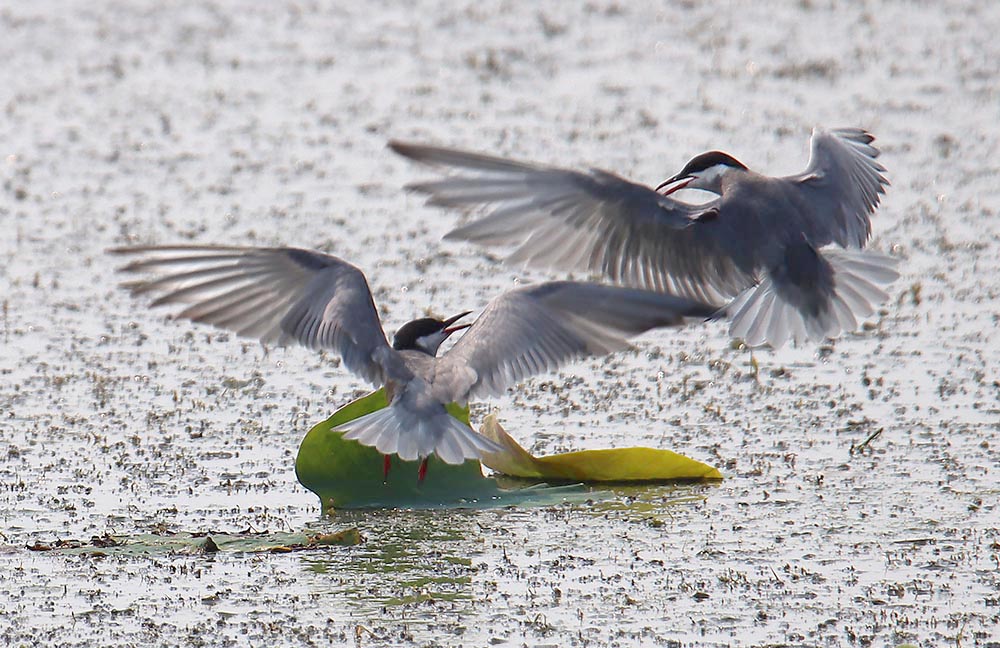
(282, 296)
(782, 257)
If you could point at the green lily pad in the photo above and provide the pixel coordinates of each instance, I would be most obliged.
(346, 474)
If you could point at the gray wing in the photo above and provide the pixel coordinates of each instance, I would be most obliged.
(843, 185)
(594, 221)
(276, 295)
(542, 326)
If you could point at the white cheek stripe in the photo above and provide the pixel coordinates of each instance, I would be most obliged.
(430, 342)
(713, 174)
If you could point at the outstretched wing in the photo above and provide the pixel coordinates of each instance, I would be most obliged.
(276, 295)
(843, 185)
(594, 221)
(542, 326)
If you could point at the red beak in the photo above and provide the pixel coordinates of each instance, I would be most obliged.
(449, 329)
(681, 183)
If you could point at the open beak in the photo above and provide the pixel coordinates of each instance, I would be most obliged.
(449, 329)
(680, 184)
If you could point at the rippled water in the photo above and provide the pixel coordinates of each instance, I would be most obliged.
(216, 122)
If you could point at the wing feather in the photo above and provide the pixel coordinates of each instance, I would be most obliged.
(542, 326)
(613, 221)
(276, 295)
(843, 183)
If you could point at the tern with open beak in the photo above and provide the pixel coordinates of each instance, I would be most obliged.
(287, 295)
(783, 257)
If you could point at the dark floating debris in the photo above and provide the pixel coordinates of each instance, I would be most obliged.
(203, 543)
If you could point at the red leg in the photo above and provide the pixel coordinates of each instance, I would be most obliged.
(386, 465)
(422, 471)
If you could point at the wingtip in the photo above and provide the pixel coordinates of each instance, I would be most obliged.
(408, 150)
(718, 313)
(851, 133)
(415, 187)
(134, 287)
(123, 250)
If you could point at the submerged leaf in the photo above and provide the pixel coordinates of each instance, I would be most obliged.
(197, 543)
(609, 465)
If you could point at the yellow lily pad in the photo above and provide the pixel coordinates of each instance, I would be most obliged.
(606, 465)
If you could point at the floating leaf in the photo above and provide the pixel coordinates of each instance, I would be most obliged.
(616, 465)
(346, 474)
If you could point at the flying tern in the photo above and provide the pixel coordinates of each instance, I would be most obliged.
(782, 256)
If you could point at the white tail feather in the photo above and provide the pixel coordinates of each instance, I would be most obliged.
(759, 316)
(395, 430)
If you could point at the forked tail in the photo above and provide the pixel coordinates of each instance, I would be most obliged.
(397, 430)
(812, 295)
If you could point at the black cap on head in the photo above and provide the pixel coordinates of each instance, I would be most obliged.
(697, 164)
(408, 334)
(709, 160)
(427, 333)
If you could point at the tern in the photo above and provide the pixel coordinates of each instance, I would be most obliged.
(282, 296)
(783, 257)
